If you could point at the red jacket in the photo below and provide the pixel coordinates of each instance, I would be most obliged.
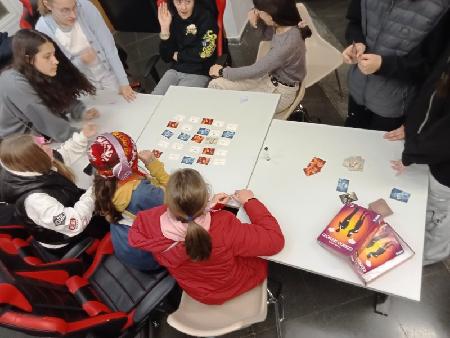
(233, 267)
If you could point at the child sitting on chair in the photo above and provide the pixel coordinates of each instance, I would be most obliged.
(210, 253)
(121, 191)
(282, 69)
(188, 40)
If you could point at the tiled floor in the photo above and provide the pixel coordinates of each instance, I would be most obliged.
(319, 307)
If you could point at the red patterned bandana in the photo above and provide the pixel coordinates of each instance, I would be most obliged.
(103, 156)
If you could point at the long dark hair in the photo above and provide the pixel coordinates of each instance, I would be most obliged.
(283, 13)
(104, 190)
(186, 197)
(57, 92)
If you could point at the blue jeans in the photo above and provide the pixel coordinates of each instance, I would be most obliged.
(132, 257)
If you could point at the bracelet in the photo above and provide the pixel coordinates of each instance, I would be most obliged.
(164, 36)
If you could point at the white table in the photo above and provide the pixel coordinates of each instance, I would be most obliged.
(116, 114)
(252, 113)
(305, 205)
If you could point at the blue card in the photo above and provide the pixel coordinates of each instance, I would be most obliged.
(203, 131)
(187, 160)
(342, 185)
(228, 134)
(184, 137)
(400, 195)
(167, 133)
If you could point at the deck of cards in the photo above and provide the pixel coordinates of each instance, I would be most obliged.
(400, 195)
(348, 198)
(354, 163)
(314, 166)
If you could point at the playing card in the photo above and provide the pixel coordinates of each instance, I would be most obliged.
(157, 153)
(163, 144)
(187, 160)
(228, 134)
(203, 131)
(183, 137)
(179, 118)
(212, 140)
(198, 138)
(354, 163)
(167, 133)
(174, 157)
(186, 127)
(221, 152)
(353, 196)
(194, 119)
(208, 151)
(345, 198)
(172, 124)
(218, 124)
(207, 120)
(203, 160)
(224, 142)
(214, 133)
(342, 185)
(195, 150)
(400, 195)
(177, 146)
(381, 207)
(232, 126)
(219, 161)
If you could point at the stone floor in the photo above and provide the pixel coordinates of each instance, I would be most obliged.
(318, 307)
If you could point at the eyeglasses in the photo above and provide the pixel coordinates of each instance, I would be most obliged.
(186, 2)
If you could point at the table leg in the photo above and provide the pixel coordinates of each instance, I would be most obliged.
(382, 303)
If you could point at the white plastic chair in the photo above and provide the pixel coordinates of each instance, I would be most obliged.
(201, 320)
(321, 57)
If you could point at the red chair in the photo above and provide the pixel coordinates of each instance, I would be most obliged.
(30, 15)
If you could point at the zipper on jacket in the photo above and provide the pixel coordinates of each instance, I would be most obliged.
(427, 115)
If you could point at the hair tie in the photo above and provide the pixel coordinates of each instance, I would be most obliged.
(189, 219)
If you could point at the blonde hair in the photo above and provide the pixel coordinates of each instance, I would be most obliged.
(187, 197)
(20, 153)
(42, 9)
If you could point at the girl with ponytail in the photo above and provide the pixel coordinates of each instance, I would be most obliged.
(211, 254)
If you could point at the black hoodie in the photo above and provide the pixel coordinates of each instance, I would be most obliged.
(427, 126)
(196, 45)
(5, 50)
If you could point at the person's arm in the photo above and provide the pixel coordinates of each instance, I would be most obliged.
(74, 148)
(106, 40)
(263, 237)
(430, 146)
(47, 212)
(168, 47)
(354, 32)
(34, 111)
(274, 59)
(416, 65)
(159, 173)
(203, 47)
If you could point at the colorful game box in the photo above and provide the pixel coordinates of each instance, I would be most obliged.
(372, 246)
(381, 251)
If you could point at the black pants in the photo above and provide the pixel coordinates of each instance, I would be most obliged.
(361, 117)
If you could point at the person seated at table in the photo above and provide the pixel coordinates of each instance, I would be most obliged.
(427, 138)
(40, 89)
(57, 213)
(282, 69)
(188, 40)
(122, 190)
(81, 33)
(209, 252)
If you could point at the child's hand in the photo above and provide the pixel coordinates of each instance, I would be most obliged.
(398, 167)
(253, 17)
(242, 196)
(353, 52)
(146, 156)
(89, 129)
(214, 70)
(91, 114)
(396, 134)
(221, 198)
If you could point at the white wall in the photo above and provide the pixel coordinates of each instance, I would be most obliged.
(10, 22)
(235, 17)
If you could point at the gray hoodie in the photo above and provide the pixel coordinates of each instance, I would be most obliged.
(23, 111)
